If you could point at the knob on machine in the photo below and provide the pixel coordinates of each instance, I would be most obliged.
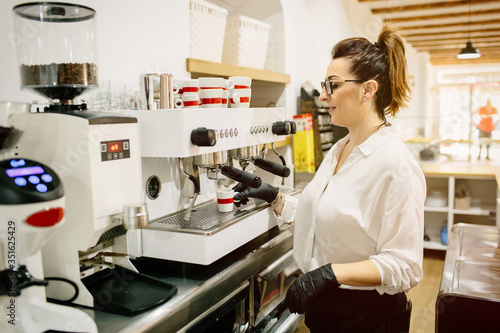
(203, 137)
(284, 127)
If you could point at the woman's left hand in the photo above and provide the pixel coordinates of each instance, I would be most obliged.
(306, 286)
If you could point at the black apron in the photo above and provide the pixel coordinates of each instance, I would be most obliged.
(357, 311)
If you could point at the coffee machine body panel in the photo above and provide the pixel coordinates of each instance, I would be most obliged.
(167, 133)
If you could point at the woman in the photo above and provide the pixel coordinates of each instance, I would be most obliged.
(358, 234)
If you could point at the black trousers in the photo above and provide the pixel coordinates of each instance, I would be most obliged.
(357, 311)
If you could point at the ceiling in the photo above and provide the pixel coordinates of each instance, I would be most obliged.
(442, 27)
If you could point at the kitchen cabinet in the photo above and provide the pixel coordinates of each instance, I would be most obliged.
(443, 180)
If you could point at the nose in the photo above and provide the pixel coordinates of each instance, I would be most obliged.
(324, 96)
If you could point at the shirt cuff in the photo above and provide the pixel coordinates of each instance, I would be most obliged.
(288, 213)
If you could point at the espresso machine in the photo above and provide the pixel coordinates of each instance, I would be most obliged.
(97, 157)
(32, 208)
(184, 161)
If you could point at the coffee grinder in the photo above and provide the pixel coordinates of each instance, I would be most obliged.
(56, 51)
(32, 208)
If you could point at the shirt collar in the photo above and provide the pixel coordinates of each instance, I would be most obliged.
(376, 140)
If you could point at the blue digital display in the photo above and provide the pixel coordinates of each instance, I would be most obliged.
(35, 170)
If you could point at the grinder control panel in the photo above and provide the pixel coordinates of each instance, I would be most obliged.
(24, 181)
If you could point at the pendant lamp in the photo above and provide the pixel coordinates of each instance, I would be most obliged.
(469, 51)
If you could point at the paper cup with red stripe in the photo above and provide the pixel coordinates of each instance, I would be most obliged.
(239, 82)
(240, 98)
(225, 200)
(210, 98)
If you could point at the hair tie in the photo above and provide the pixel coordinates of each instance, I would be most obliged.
(377, 44)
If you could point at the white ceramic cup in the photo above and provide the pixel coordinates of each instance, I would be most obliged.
(190, 101)
(210, 98)
(225, 98)
(240, 98)
(239, 82)
(178, 87)
(190, 86)
(212, 83)
(225, 200)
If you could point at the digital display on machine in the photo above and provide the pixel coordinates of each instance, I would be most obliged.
(115, 150)
(18, 172)
(115, 146)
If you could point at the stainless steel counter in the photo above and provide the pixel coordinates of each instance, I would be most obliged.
(469, 296)
(199, 287)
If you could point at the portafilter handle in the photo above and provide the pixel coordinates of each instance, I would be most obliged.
(240, 176)
(274, 168)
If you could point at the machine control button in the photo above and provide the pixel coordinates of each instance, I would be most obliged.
(203, 137)
(104, 148)
(235, 132)
(41, 188)
(110, 156)
(34, 179)
(231, 133)
(251, 130)
(115, 156)
(125, 145)
(227, 133)
(20, 181)
(46, 178)
(221, 133)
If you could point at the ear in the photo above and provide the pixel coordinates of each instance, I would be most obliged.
(371, 87)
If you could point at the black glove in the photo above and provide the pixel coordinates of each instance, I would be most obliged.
(307, 286)
(264, 192)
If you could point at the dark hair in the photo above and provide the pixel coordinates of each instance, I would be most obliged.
(385, 62)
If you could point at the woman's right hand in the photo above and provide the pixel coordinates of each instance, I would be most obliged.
(264, 191)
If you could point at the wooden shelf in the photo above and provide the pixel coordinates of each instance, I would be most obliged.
(279, 144)
(203, 67)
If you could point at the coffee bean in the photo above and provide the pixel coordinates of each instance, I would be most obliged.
(57, 74)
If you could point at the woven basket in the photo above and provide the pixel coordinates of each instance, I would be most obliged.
(245, 42)
(207, 27)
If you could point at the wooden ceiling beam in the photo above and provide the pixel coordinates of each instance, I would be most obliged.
(426, 6)
(484, 40)
(473, 33)
(455, 46)
(483, 50)
(463, 62)
(442, 16)
(449, 25)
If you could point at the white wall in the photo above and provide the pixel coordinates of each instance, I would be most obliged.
(133, 37)
(153, 36)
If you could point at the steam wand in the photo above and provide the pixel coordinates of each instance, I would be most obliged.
(197, 190)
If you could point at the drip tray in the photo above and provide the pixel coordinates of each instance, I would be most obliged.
(206, 218)
(126, 292)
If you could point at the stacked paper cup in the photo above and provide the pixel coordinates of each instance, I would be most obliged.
(240, 91)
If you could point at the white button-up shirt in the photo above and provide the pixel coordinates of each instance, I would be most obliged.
(373, 208)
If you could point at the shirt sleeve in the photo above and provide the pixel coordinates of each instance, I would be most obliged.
(399, 255)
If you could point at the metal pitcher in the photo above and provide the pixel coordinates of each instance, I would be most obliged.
(157, 90)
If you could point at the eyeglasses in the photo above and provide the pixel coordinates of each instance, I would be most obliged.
(331, 84)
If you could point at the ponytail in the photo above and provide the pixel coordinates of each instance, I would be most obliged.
(385, 62)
